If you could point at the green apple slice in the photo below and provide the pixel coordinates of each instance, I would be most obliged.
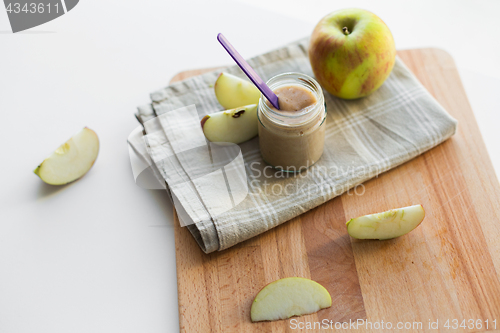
(71, 160)
(233, 92)
(235, 126)
(386, 225)
(289, 297)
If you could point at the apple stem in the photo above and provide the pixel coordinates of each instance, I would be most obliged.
(345, 30)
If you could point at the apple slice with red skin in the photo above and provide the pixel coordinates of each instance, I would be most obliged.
(234, 126)
(71, 160)
(233, 92)
(386, 225)
(288, 297)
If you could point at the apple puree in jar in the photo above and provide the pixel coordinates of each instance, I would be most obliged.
(293, 98)
(292, 138)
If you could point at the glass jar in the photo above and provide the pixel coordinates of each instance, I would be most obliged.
(292, 141)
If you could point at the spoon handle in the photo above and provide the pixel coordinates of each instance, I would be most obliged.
(249, 71)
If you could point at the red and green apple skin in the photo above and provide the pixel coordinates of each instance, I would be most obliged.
(353, 62)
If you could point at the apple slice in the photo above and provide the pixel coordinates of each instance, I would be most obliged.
(288, 297)
(386, 225)
(71, 160)
(236, 125)
(233, 92)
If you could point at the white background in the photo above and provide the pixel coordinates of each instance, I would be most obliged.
(98, 255)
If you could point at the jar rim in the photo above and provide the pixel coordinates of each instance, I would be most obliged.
(307, 81)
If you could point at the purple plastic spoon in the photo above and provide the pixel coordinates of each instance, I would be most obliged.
(245, 67)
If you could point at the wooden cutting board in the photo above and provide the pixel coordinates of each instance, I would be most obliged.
(445, 269)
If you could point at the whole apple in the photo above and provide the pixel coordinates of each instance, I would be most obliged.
(351, 52)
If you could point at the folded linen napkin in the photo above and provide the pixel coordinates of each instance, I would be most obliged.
(227, 195)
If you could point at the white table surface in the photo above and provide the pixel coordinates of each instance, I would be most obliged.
(98, 255)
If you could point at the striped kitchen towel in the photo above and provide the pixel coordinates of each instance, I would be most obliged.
(227, 194)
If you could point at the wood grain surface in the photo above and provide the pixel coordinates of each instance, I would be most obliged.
(445, 269)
